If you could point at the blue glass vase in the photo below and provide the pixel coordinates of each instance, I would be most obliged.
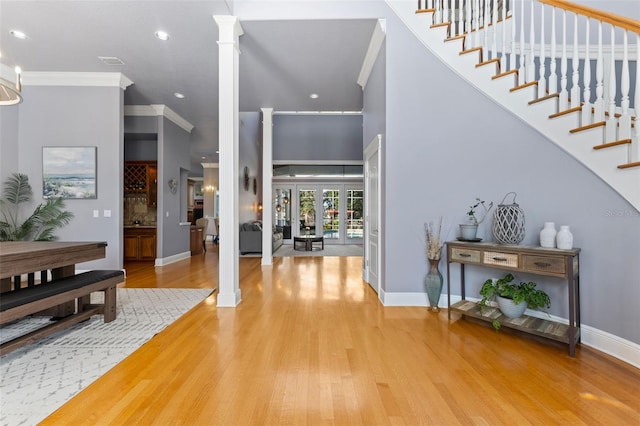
(433, 284)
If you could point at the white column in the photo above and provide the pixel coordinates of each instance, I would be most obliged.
(267, 187)
(228, 47)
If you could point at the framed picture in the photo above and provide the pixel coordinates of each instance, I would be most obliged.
(69, 172)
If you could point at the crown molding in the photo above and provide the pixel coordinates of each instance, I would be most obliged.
(97, 79)
(377, 38)
(210, 165)
(157, 110)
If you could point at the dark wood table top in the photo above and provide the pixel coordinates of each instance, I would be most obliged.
(23, 257)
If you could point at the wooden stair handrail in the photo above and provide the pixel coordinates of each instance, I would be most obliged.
(610, 18)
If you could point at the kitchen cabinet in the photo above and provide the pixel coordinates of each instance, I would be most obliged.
(139, 243)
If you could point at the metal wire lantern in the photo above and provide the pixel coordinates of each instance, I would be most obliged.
(508, 222)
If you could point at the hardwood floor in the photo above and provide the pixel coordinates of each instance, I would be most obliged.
(311, 344)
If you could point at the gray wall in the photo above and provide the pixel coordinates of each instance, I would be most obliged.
(78, 116)
(317, 137)
(173, 159)
(448, 144)
(140, 150)
(8, 141)
(250, 155)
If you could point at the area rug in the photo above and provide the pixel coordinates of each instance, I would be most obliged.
(39, 378)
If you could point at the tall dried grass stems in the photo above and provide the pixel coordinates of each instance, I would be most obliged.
(434, 244)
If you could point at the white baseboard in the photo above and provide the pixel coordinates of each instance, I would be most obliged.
(608, 343)
(172, 259)
(229, 300)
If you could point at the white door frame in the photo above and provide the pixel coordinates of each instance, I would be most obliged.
(368, 274)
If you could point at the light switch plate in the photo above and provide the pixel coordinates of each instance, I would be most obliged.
(96, 213)
(107, 213)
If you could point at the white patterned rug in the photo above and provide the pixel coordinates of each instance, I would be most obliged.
(39, 378)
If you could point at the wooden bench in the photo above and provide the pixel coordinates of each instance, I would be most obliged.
(30, 300)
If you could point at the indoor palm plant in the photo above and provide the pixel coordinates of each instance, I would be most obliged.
(40, 225)
(513, 298)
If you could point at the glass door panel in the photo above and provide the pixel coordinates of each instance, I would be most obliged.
(355, 215)
(282, 210)
(331, 214)
(307, 211)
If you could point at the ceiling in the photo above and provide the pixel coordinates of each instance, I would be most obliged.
(281, 62)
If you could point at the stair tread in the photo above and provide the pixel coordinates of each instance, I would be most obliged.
(612, 144)
(629, 165)
(565, 112)
(588, 126)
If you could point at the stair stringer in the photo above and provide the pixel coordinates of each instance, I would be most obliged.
(579, 145)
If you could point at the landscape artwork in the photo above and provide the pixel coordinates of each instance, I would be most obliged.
(69, 172)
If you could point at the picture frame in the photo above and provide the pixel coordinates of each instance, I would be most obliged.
(69, 172)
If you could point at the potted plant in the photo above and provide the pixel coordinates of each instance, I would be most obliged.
(475, 216)
(512, 298)
(40, 226)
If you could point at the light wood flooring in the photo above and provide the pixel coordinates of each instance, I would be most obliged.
(310, 344)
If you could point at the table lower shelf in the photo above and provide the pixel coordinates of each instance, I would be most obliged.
(528, 324)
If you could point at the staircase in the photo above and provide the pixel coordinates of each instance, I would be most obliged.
(587, 111)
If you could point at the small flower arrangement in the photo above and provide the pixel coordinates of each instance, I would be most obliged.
(473, 219)
(434, 243)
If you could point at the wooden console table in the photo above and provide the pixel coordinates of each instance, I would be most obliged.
(557, 263)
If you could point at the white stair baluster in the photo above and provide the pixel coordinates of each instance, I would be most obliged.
(586, 81)
(564, 95)
(531, 52)
(485, 30)
(553, 73)
(445, 13)
(575, 65)
(476, 22)
(468, 13)
(635, 144)
(494, 30)
(612, 121)
(624, 131)
(598, 105)
(512, 52)
(504, 66)
(523, 55)
(542, 68)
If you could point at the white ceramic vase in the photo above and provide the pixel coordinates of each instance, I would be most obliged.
(548, 235)
(564, 238)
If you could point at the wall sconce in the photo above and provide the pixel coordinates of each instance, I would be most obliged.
(209, 188)
(278, 208)
(259, 206)
(285, 199)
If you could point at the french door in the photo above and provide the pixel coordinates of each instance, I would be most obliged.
(333, 210)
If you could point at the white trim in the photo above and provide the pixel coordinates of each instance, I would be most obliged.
(317, 112)
(378, 36)
(267, 185)
(172, 259)
(229, 300)
(320, 162)
(100, 79)
(158, 110)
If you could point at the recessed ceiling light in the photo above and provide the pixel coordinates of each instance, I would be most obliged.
(18, 34)
(162, 35)
(314, 96)
(204, 158)
(178, 95)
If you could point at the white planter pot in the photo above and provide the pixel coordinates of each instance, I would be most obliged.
(468, 232)
(510, 309)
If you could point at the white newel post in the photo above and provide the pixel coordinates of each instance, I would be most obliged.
(267, 176)
(228, 48)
